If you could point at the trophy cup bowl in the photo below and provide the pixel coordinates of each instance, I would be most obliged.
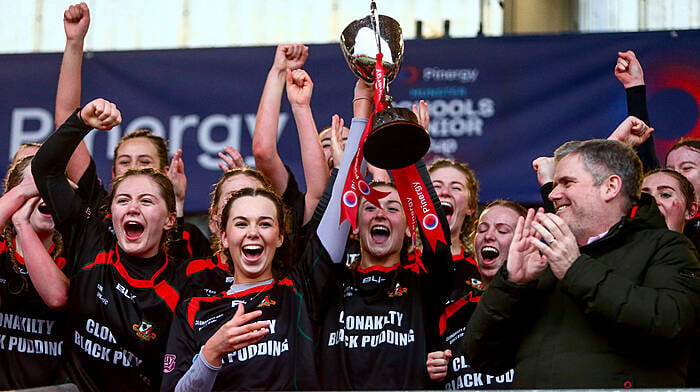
(359, 45)
(397, 140)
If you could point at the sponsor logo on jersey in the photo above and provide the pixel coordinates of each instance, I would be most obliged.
(475, 283)
(144, 331)
(266, 302)
(168, 363)
(398, 291)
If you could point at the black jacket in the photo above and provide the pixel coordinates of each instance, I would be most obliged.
(620, 317)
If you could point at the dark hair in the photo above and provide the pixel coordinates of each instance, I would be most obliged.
(604, 158)
(15, 175)
(158, 142)
(216, 197)
(281, 263)
(466, 233)
(692, 143)
(686, 188)
(165, 187)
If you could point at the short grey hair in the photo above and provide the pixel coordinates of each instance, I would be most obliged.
(604, 158)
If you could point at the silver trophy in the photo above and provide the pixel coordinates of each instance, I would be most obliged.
(397, 139)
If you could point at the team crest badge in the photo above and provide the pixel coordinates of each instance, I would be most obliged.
(144, 331)
(266, 302)
(398, 291)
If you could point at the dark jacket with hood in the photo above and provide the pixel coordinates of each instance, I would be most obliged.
(620, 317)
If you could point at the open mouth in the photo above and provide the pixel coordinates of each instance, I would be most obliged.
(562, 208)
(44, 209)
(448, 209)
(489, 254)
(133, 230)
(252, 252)
(380, 234)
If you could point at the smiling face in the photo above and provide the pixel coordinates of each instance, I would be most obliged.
(135, 153)
(494, 234)
(325, 138)
(252, 236)
(451, 187)
(686, 161)
(576, 199)
(670, 200)
(140, 215)
(382, 230)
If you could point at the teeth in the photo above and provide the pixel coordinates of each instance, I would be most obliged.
(447, 207)
(252, 247)
(380, 229)
(562, 208)
(489, 252)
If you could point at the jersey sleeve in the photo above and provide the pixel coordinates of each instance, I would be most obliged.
(637, 106)
(49, 169)
(330, 231)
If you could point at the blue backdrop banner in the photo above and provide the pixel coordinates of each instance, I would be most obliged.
(496, 103)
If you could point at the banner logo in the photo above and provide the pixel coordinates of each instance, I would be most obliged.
(430, 222)
(350, 199)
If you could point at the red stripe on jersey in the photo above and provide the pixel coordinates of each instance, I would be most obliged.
(186, 237)
(286, 282)
(199, 265)
(380, 268)
(193, 307)
(452, 308)
(168, 293)
(202, 264)
(60, 262)
(102, 258)
(107, 257)
(3, 246)
(20, 258)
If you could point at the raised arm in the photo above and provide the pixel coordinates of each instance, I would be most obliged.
(49, 163)
(299, 91)
(267, 158)
(48, 279)
(76, 20)
(332, 234)
(628, 70)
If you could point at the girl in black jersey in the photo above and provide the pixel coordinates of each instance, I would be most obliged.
(212, 275)
(212, 345)
(382, 314)
(457, 189)
(138, 149)
(492, 238)
(122, 294)
(30, 320)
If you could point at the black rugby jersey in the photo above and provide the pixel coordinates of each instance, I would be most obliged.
(291, 303)
(205, 277)
(466, 293)
(31, 334)
(382, 321)
(282, 360)
(120, 307)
